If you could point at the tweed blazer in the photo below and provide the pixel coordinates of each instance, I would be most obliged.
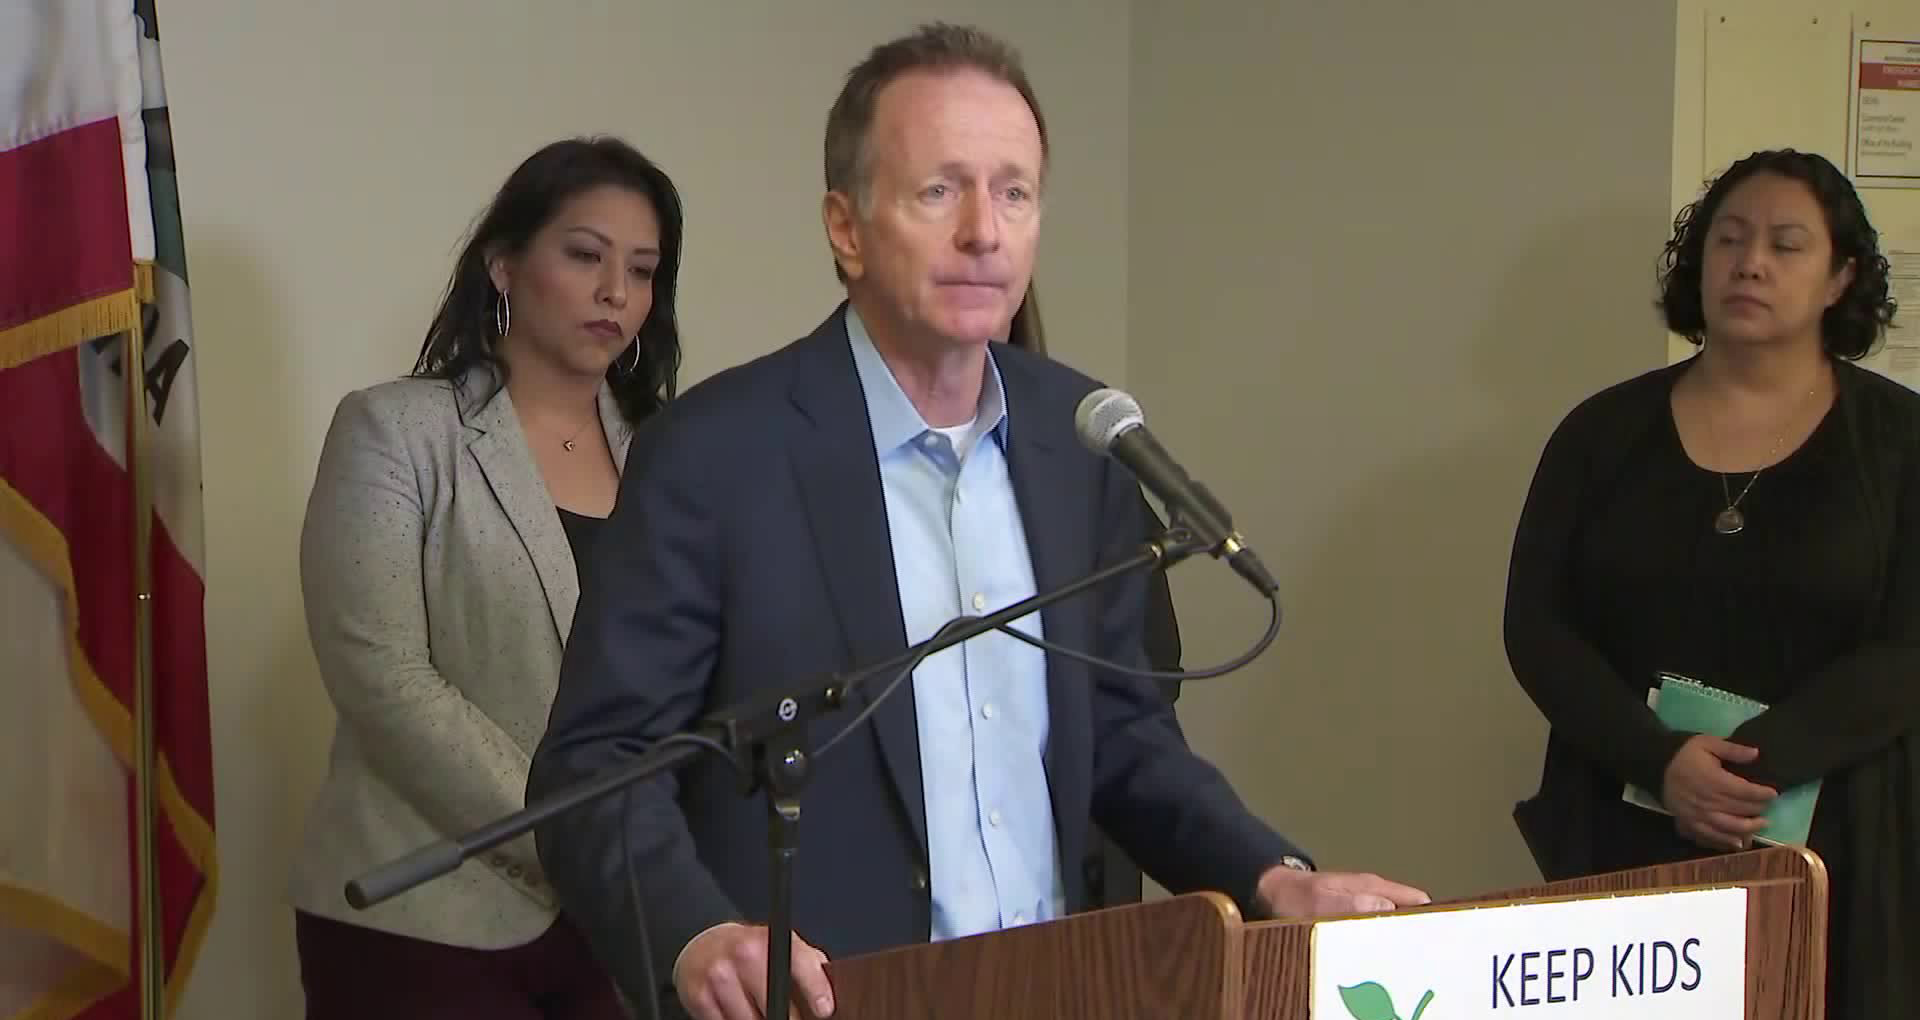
(439, 590)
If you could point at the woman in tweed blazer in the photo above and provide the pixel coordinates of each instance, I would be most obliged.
(440, 561)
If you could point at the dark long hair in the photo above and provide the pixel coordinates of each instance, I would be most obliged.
(1850, 328)
(1025, 332)
(464, 333)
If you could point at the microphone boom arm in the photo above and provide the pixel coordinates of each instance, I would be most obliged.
(766, 738)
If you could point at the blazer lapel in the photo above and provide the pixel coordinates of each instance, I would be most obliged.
(839, 479)
(500, 448)
(1054, 506)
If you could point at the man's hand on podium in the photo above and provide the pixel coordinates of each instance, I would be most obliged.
(1290, 893)
(722, 975)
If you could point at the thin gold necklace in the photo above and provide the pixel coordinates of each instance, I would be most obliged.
(569, 442)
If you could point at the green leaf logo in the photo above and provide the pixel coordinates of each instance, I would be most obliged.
(1370, 1001)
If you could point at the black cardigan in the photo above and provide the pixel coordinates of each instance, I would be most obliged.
(1813, 609)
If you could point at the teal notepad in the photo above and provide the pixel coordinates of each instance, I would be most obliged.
(1693, 707)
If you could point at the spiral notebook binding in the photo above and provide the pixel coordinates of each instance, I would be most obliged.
(1711, 691)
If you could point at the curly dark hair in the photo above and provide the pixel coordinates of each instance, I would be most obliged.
(463, 331)
(1855, 323)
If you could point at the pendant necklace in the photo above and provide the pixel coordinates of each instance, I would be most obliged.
(1731, 520)
(568, 443)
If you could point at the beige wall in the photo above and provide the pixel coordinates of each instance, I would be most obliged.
(330, 157)
(1368, 257)
(1376, 256)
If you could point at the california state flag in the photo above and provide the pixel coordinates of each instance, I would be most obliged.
(90, 249)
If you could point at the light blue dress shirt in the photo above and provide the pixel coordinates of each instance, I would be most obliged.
(959, 547)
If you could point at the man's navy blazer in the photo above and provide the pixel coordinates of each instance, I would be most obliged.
(749, 553)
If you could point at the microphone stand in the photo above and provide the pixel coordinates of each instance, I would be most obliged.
(766, 738)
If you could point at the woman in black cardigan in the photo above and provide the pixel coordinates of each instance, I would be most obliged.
(1749, 518)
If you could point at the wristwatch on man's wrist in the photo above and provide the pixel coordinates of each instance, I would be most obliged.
(1297, 864)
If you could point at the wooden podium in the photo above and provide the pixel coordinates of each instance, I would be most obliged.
(1193, 958)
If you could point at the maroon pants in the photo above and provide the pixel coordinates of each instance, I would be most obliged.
(355, 973)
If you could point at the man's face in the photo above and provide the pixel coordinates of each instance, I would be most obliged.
(945, 245)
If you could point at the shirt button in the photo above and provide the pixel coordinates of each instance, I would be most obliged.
(979, 600)
(931, 442)
(987, 710)
(993, 818)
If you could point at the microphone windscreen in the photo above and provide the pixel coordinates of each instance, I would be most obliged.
(1103, 415)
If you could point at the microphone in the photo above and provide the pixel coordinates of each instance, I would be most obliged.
(1111, 423)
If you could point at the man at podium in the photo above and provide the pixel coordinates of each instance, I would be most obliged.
(820, 508)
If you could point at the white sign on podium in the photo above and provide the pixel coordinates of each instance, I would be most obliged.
(1651, 956)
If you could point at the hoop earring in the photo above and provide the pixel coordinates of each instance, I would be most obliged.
(502, 314)
(635, 367)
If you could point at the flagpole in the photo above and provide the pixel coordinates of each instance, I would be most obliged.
(151, 956)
